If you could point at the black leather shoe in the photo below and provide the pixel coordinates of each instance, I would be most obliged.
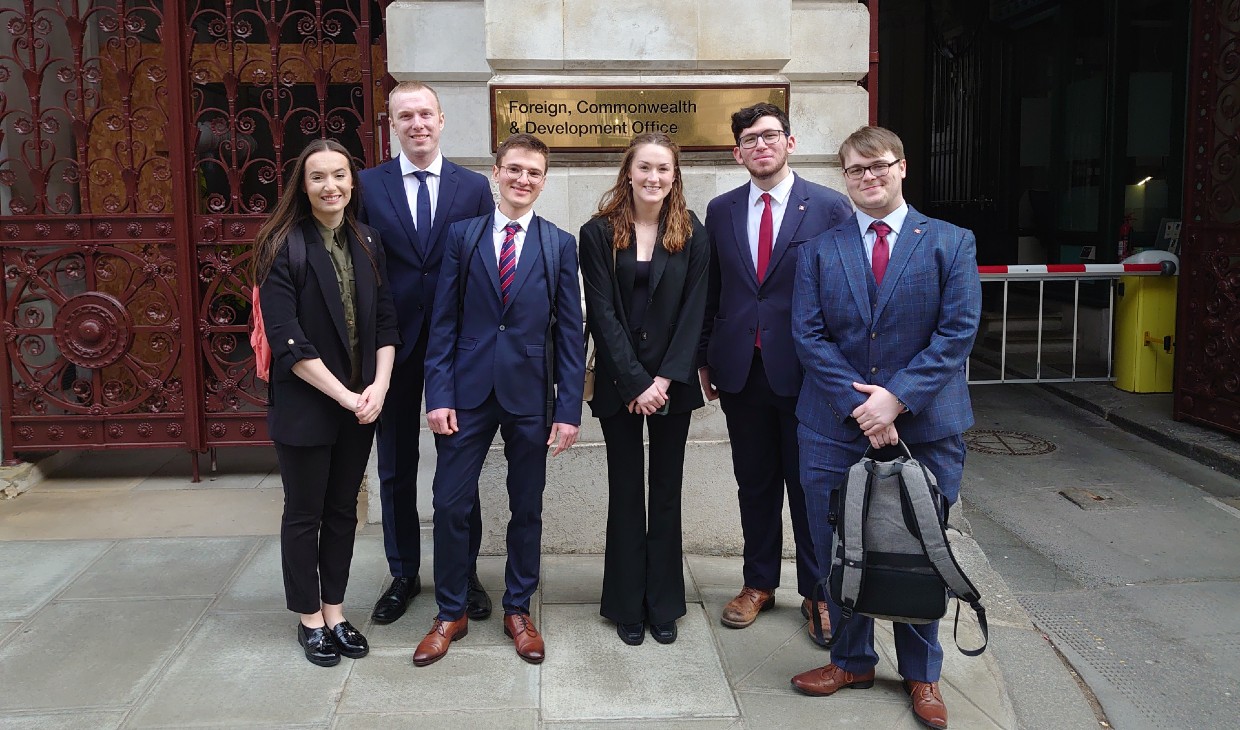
(349, 640)
(320, 649)
(478, 603)
(664, 633)
(631, 634)
(392, 604)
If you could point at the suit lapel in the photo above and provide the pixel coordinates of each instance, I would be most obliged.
(321, 262)
(856, 270)
(658, 261)
(626, 271)
(740, 230)
(794, 212)
(443, 205)
(910, 236)
(365, 285)
(531, 256)
(485, 246)
(394, 183)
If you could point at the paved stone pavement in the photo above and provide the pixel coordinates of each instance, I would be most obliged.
(135, 599)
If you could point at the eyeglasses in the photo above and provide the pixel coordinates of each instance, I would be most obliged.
(513, 172)
(878, 169)
(770, 136)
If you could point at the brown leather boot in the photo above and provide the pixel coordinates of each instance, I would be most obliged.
(927, 704)
(744, 609)
(830, 679)
(438, 639)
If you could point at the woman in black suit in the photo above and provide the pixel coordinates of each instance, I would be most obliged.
(331, 326)
(643, 260)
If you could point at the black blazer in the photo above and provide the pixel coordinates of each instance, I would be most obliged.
(627, 362)
(309, 323)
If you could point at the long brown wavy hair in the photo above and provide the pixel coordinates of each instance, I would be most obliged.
(294, 207)
(616, 205)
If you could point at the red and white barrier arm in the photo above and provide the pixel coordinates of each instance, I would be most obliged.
(1058, 272)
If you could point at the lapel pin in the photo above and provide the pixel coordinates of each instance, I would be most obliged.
(916, 230)
(800, 207)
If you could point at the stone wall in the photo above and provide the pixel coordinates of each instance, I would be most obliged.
(819, 47)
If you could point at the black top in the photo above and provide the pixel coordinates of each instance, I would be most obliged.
(641, 295)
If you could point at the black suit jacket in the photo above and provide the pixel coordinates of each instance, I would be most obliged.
(627, 362)
(308, 323)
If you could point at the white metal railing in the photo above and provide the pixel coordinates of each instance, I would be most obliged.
(1042, 274)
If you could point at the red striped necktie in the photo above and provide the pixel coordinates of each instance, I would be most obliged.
(508, 259)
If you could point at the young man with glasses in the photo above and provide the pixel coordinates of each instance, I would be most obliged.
(486, 370)
(746, 355)
(884, 315)
(411, 200)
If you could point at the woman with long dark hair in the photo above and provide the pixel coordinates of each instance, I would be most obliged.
(643, 259)
(331, 326)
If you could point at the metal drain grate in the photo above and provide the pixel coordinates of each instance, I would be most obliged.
(1006, 443)
(1092, 499)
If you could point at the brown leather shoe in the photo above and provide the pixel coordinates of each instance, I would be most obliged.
(927, 704)
(432, 648)
(525, 637)
(824, 615)
(744, 609)
(830, 679)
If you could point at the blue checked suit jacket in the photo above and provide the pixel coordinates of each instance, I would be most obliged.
(912, 335)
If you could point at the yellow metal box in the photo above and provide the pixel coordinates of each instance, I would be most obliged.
(1145, 333)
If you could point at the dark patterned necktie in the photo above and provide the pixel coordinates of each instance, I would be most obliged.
(423, 220)
(882, 251)
(508, 259)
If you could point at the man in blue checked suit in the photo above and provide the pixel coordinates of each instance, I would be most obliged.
(884, 314)
(412, 200)
(492, 341)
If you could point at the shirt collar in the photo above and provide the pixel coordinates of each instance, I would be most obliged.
(333, 233)
(501, 220)
(895, 219)
(407, 166)
(779, 193)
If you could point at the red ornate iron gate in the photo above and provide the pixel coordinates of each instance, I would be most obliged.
(1207, 382)
(141, 143)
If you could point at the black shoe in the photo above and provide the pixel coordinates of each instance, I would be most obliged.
(478, 603)
(631, 634)
(320, 649)
(392, 604)
(664, 633)
(349, 640)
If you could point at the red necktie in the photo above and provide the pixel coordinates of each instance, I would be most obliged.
(508, 259)
(766, 236)
(882, 252)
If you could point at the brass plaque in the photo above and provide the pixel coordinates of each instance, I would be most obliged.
(605, 118)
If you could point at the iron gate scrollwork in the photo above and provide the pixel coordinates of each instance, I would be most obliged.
(129, 199)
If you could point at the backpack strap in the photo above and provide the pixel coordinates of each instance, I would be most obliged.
(473, 234)
(915, 484)
(297, 256)
(549, 240)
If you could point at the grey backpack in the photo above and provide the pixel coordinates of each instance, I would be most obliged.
(891, 558)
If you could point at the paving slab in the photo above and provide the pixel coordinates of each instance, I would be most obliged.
(591, 675)
(162, 568)
(8, 627)
(90, 655)
(663, 723)
(579, 579)
(468, 677)
(259, 584)
(242, 669)
(66, 721)
(877, 707)
(33, 572)
(709, 570)
(447, 720)
(744, 650)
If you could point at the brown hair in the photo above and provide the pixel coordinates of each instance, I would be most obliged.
(294, 207)
(616, 205)
(872, 142)
(408, 87)
(522, 141)
(747, 117)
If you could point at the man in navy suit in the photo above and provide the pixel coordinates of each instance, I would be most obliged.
(508, 298)
(746, 355)
(411, 200)
(884, 316)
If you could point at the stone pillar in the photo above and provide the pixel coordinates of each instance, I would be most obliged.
(819, 47)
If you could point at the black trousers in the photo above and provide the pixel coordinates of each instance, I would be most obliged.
(765, 458)
(320, 516)
(643, 576)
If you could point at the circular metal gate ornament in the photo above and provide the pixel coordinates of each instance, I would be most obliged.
(92, 330)
(1006, 443)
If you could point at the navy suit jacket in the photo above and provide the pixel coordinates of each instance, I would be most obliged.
(487, 346)
(736, 304)
(912, 335)
(308, 323)
(412, 269)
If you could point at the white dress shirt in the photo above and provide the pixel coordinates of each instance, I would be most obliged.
(497, 232)
(895, 219)
(779, 203)
(411, 184)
